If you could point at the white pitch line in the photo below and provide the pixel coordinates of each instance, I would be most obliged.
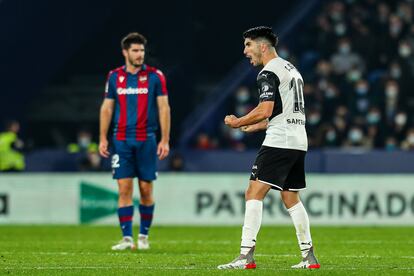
(201, 254)
(267, 241)
(323, 268)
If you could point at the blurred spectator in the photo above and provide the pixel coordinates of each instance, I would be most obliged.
(345, 59)
(11, 156)
(176, 162)
(314, 119)
(341, 123)
(330, 137)
(399, 127)
(205, 143)
(356, 138)
(331, 99)
(408, 142)
(391, 99)
(391, 144)
(359, 100)
(89, 158)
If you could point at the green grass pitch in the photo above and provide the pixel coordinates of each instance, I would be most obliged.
(85, 250)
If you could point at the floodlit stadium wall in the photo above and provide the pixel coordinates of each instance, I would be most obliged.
(205, 199)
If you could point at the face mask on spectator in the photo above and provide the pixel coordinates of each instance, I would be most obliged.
(84, 141)
(373, 118)
(404, 51)
(242, 96)
(340, 29)
(314, 119)
(391, 91)
(361, 89)
(344, 48)
(331, 135)
(355, 135)
(400, 119)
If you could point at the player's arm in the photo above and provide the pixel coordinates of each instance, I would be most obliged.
(261, 112)
(164, 115)
(105, 117)
(256, 127)
(268, 84)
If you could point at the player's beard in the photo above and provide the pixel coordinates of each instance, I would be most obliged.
(257, 59)
(136, 63)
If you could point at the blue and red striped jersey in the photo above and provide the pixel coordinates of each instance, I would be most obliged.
(135, 95)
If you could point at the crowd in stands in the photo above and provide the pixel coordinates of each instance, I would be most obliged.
(357, 60)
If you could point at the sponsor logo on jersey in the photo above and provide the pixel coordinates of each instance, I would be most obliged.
(131, 91)
(266, 95)
(296, 121)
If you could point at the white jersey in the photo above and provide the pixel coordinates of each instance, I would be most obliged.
(281, 82)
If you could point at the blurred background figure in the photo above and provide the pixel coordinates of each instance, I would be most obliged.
(87, 151)
(11, 149)
(176, 162)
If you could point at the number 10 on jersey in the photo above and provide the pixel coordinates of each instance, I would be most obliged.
(298, 101)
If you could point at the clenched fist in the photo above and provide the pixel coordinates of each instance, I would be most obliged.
(231, 121)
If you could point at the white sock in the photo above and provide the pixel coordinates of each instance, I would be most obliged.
(251, 226)
(301, 221)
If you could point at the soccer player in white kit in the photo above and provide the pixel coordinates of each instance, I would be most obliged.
(280, 162)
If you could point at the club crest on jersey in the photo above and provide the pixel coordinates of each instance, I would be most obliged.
(121, 79)
(143, 78)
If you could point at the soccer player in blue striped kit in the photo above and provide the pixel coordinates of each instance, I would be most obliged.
(136, 102)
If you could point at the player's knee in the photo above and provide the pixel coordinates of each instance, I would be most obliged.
(146, 195)
(125, 194)
(251, 193)
(146, 198)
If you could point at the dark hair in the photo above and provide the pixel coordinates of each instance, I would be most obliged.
(261, 32)
(132, 38)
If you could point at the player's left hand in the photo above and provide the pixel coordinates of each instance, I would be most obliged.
(231, 121)
(163, 150)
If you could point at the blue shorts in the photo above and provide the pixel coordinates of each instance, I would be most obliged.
(135, 159)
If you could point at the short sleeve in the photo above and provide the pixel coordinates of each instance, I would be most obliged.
(161, 85)
(268, 85)
(110, 86)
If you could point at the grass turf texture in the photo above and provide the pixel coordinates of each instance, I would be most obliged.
(74, 250)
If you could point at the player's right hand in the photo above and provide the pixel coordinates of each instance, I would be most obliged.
(103, 148)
